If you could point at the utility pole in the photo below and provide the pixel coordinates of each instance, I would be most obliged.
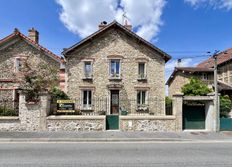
(216, 98)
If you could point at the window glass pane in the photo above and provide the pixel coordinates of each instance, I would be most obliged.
(84, 97)
(117, 67)
(138, 97)
(143, 97)
(88, 68)
(112, 67)
(90, 98)
(141, 68)
(18, 64)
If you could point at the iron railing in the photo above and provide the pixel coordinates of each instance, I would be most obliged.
(102, 106)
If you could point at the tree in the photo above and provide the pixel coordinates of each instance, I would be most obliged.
(36, 79)
(195, 88)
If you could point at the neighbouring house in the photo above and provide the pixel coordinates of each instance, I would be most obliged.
(204, 71)
(181, 76)
(13, 50)
(115, 70)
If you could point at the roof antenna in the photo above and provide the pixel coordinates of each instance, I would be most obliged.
(125, 19)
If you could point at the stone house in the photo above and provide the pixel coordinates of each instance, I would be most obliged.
(204, 71)
(13, 50)
(115, 70)
(181, 76)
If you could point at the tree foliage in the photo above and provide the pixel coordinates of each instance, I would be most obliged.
(225, 106)
(34, 80)
(195, 88)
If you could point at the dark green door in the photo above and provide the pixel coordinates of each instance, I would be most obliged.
(112, 122)
(193, 117)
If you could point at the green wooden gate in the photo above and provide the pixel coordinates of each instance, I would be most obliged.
(112, 122)
(193, 117)
(226, 124)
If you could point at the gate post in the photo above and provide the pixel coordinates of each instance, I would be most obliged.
(178, 109)
(45, 100)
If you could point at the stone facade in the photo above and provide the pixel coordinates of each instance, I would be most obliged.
(225, 73)
(115, 44)
(18, 48)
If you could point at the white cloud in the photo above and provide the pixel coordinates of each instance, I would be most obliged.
(83, 16)
(216, 4)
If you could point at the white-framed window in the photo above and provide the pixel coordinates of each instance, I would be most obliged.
(142, 70)
(115, 68)
(87, 99)
(18, 64)
(88, 69)
(204, 76)
(142, 101)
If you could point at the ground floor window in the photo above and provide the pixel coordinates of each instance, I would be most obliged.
(87, 99)
(142, 99)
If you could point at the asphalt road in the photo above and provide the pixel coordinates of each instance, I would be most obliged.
(116, 154)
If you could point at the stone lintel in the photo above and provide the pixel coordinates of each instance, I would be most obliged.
(198, 98)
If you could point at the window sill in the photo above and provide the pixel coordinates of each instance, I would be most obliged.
(87, 79)
(142, 79)
(115, 79)
(87, 109)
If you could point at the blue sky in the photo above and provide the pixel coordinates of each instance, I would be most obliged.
(182, 28)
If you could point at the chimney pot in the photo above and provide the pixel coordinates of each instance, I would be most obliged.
(33, 34)
(102, 25)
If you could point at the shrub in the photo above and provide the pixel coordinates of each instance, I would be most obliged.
(225, 106)
(58, 94)
(195, 88)
(5, 111)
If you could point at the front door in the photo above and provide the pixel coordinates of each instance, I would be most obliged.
(114, 102)
(112, 120)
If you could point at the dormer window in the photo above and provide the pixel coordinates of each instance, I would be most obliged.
(115, 68)
(18, 64)
(88, 70)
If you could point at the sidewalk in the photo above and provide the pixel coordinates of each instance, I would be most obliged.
(112, 136)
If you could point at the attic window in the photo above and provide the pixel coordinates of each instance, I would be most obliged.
(18, 64)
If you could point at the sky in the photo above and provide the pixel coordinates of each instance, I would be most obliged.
(185, 29)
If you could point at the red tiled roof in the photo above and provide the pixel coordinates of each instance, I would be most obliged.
(17, 33)
(189, 70)
(221, 58)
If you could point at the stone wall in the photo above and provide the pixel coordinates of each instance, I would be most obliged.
(114, 44)
(76, 123)
(148, 123)
(31, 116)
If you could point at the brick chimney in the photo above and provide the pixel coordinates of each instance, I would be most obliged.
(102, 25)
(33, 34)
(128, 26)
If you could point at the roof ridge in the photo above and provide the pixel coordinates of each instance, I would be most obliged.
(162, 53)
(17, 32)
